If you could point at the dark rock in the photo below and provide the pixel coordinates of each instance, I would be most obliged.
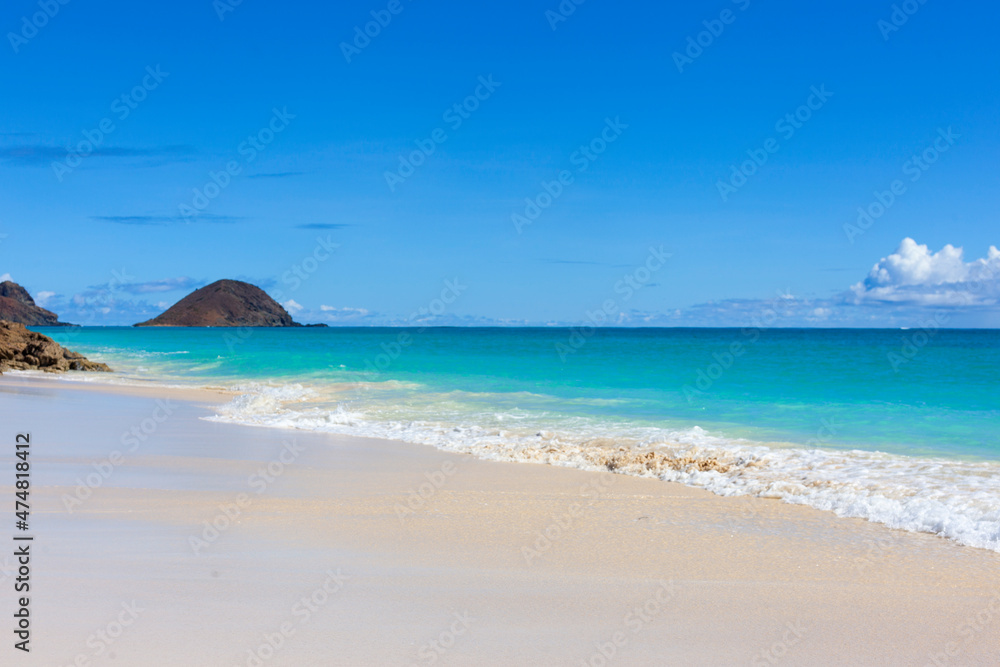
(21, 349)
(16, 305)
(224, 303)
(12, 290)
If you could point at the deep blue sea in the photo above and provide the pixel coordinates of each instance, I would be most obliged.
(897, 426)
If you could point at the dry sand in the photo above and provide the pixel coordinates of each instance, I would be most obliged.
(322, 561)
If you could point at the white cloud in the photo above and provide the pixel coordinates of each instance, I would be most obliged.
(334, 314)
(164, 285)
(915, 275)
(292, 306)
(43, 297)
(4, 277)
(106, 308)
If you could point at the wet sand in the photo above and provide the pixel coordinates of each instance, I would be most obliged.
(165, 539)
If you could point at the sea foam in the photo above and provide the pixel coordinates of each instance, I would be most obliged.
(951, 498)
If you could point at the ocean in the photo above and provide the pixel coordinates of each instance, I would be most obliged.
(901, 427)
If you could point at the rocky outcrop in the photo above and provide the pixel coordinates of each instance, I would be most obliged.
(16, 305)
(224, 303)
(23, 350)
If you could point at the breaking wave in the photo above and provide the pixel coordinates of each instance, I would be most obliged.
(955, 499)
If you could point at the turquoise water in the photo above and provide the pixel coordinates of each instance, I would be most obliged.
(873, 423)
(944, 401)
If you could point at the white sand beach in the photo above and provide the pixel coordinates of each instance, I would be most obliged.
(323, 552)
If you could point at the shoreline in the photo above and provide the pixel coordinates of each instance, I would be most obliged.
(507, 563)
(810, 474)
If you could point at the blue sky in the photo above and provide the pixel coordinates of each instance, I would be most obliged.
(644, 125)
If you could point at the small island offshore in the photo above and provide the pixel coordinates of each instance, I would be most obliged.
(225, 303)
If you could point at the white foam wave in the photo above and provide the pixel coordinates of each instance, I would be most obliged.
(959, 500)
(259, 403)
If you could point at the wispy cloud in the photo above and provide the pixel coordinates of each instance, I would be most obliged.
(321, 225)
(99, 307)
(277, 174)
(570, 261)
(114, 303)
(344, 315)
(165, 219)
(39, 155)
(135, 219)
(348, 316)
(164, 285)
